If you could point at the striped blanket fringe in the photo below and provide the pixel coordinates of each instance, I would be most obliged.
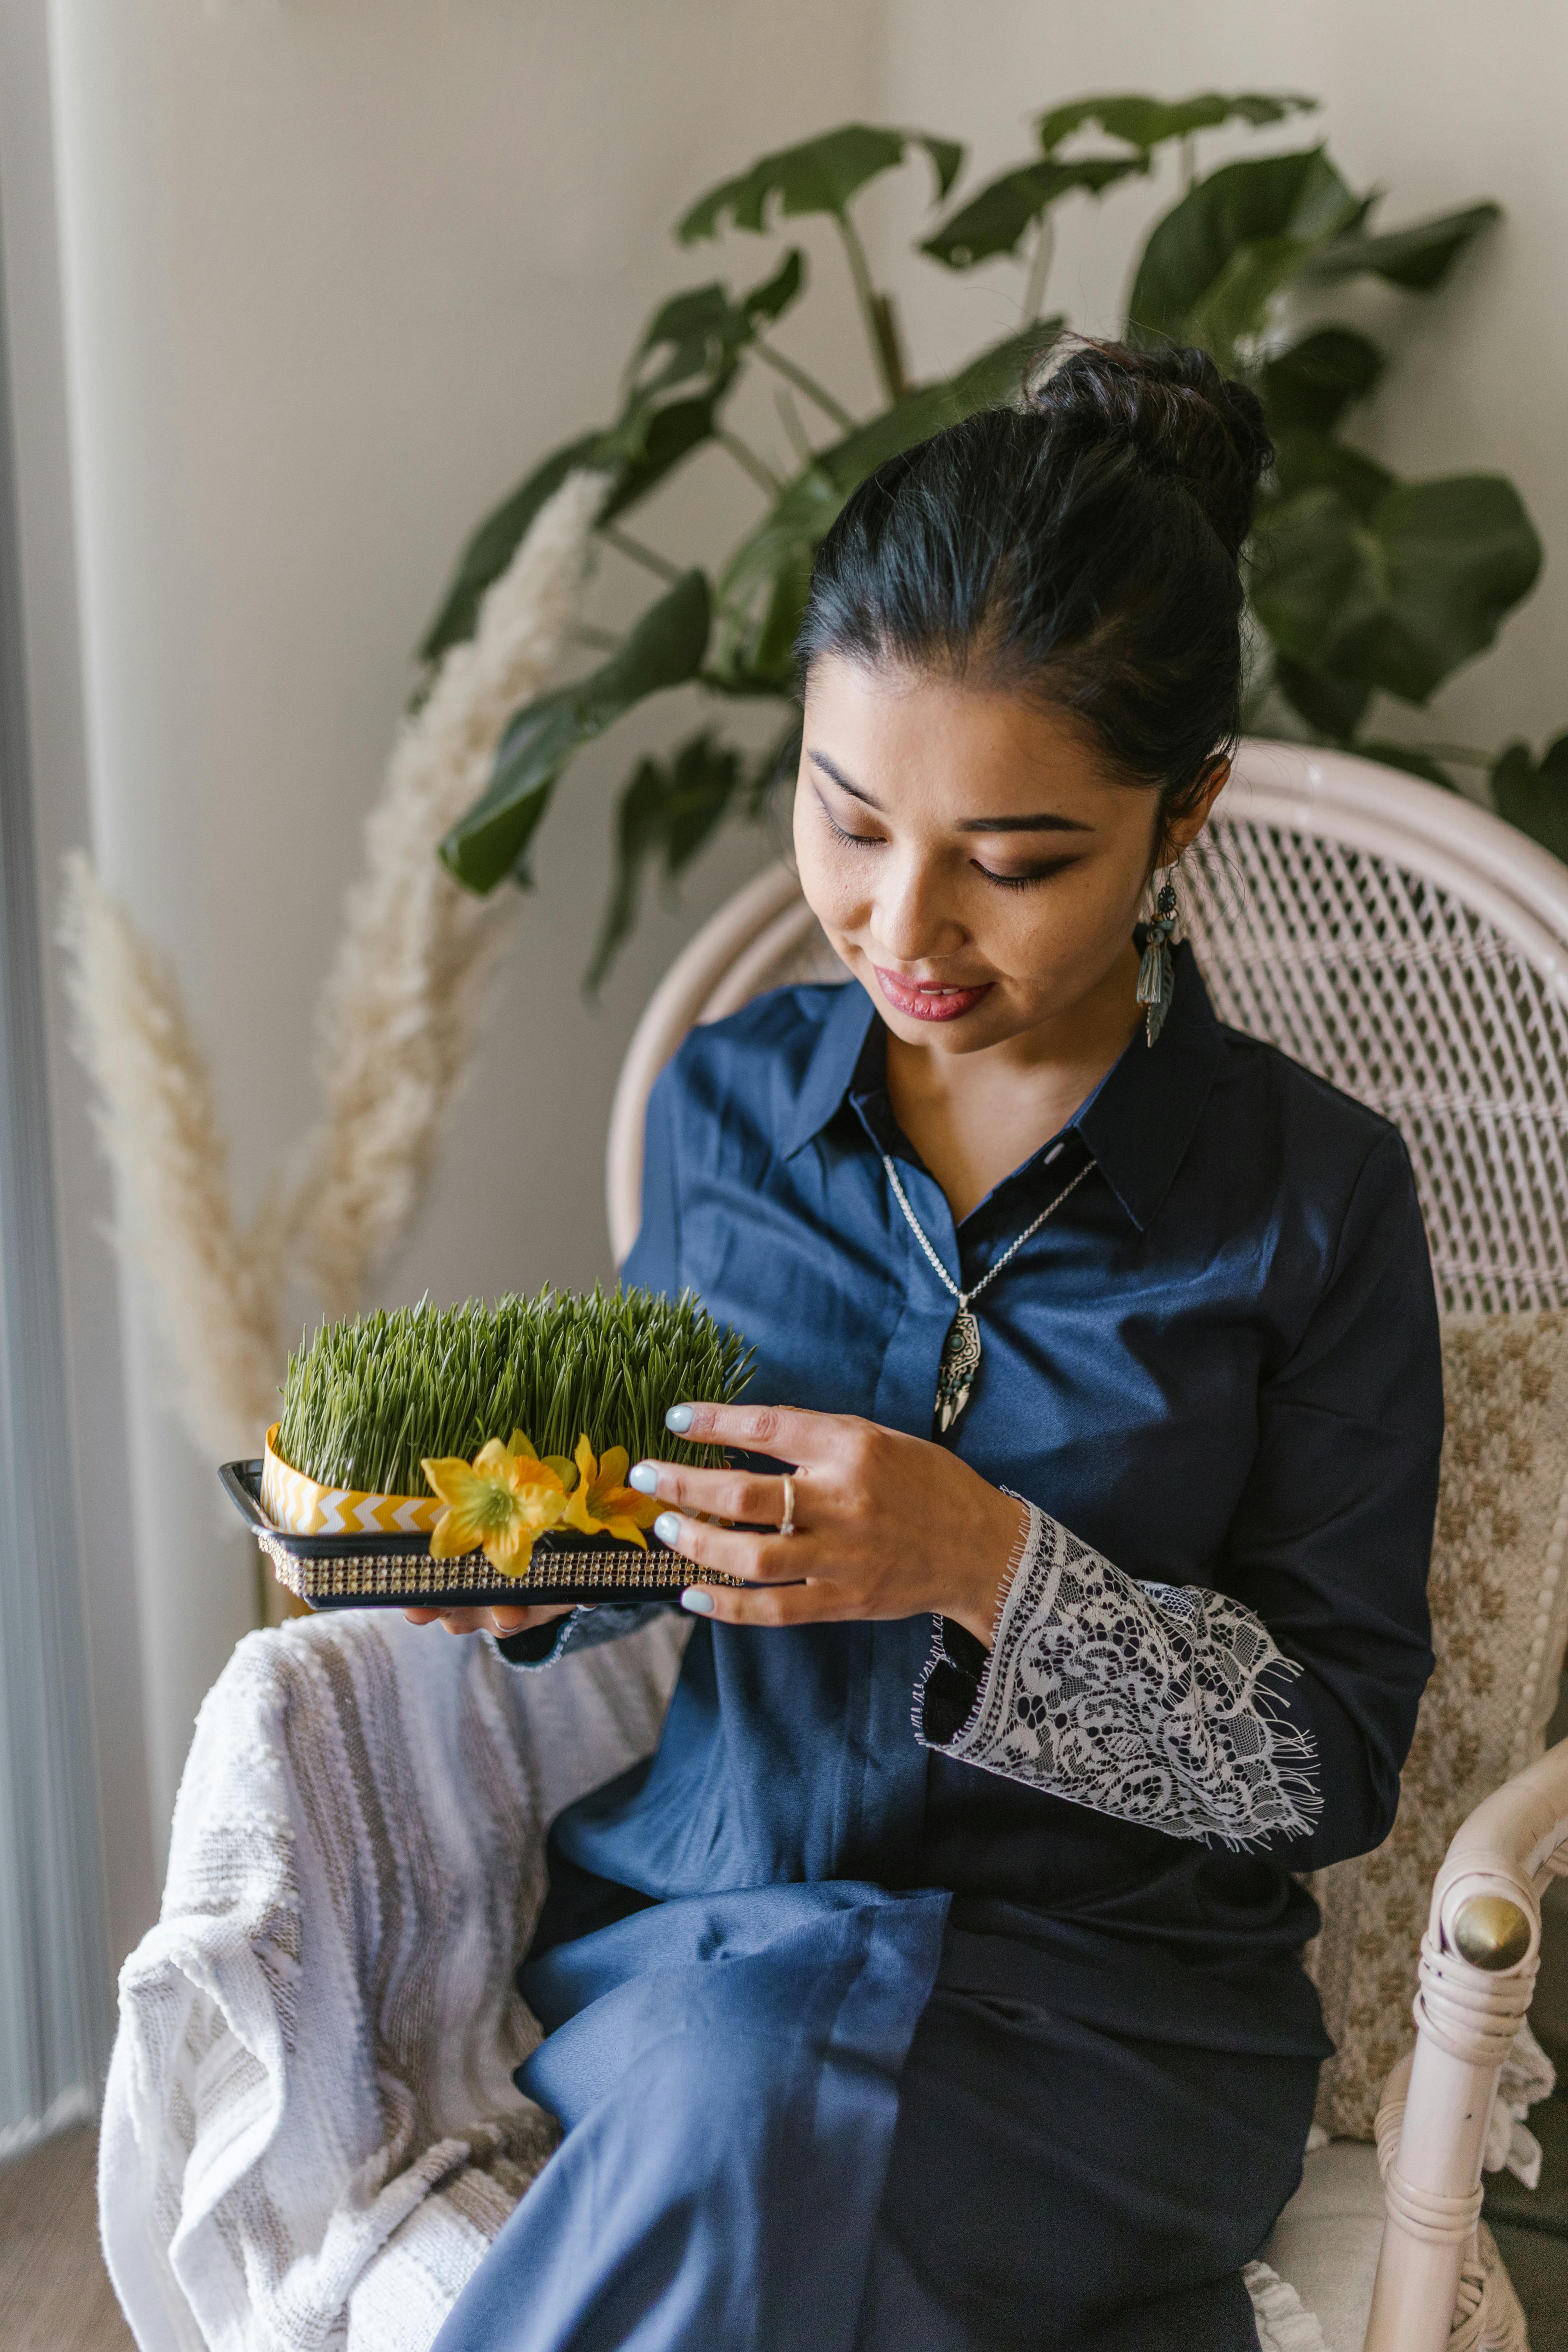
(290, 2159)
(1282, 2325)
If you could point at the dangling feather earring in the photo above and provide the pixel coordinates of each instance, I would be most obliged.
(1157, 972)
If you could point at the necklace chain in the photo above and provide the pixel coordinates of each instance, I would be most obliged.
(961, 1349)
(918, 1230)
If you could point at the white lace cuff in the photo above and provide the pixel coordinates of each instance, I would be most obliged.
(1149, 1702)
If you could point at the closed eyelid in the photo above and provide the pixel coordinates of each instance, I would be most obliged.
(1045, 866)
(1004, 881)
(843, 831)
(1021, 881)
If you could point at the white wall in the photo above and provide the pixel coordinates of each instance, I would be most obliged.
(334, 272)
(334, 276)
(1438, 102)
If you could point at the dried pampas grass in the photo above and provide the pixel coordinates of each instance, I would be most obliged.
(218, 1290)
(399, 1023)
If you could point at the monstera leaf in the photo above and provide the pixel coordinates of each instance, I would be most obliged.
(999, 218)
(1313, 383)
(1360, 583)
(496, 541)
(669, 809)
(1213, 265)
(665, 649)
(702, 332)
(1396, 598)
(820, 176)
(1417, 258)
(1534, 794)
(1305, 460)
(775, 560)
(1148, 122)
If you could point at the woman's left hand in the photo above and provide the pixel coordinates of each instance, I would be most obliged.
(884, 1526)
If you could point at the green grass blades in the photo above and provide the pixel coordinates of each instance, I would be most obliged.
(366, 1402)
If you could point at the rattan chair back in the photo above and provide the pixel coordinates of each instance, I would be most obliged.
(1397, 940)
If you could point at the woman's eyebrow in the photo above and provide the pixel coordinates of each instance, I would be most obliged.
(820, 760)
(1046, 820)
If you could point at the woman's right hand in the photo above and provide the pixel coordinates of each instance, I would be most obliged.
(500, 1620)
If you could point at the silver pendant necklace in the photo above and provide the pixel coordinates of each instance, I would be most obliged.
(961, 1348)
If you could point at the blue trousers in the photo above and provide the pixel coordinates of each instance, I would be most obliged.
(801, 2119)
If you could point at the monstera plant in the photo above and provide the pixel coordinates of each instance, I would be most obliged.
(1360, 582)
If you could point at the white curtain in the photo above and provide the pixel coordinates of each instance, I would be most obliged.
(54, 1983)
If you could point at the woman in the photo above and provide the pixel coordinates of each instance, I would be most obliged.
(1096, 1420)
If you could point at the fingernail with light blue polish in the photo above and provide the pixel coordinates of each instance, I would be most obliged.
(701, 1603)
(679, 1418)
(644, 1477)
(666, 1527)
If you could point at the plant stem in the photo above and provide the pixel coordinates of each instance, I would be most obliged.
(805, 383)
(789, 416)
(761, 474)
(647, 556)
(877, 311)
(1039, 269)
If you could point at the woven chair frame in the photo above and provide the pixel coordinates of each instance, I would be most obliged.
(1413, 950)
(1399, 941)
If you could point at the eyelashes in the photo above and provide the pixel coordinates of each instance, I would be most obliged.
(998, 881)
(855, 840)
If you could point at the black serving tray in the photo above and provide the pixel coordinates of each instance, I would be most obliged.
(396, 1572)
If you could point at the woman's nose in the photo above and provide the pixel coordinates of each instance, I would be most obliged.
(909, 920)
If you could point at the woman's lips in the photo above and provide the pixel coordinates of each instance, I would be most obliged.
(928, 1000)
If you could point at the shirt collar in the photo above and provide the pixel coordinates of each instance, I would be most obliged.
(1137, 1124)
(832, 1067)
(1141, 1118)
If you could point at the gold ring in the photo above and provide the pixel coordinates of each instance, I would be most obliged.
(786, 1524)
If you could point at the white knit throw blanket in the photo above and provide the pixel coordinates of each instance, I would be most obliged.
(311, 2134)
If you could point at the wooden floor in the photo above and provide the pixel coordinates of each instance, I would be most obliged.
(55, 2294)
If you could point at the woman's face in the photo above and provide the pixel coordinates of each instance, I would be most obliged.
(968, 854)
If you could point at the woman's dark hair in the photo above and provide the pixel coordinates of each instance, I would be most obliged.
(1083, 548)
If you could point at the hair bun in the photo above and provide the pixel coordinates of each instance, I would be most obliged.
(1179, 415)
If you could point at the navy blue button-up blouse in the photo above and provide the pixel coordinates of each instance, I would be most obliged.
(1214, 1367)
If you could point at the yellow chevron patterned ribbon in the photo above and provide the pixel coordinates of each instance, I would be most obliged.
(300, 1507)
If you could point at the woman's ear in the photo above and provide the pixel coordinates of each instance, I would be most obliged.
(1180, 832)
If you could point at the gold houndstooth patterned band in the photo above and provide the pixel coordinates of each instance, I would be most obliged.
(418, 1582)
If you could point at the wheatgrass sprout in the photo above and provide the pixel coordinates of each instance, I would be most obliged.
(366, 1402)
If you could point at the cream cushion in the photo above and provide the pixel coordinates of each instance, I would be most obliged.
(1326, 2242)
(1324, 2248)
(1499, 1616)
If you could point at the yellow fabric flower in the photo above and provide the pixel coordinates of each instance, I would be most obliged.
(602, 1503)
(560, 1463)
(498, 1504)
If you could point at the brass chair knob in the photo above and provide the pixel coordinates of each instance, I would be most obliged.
(1491, 1932)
